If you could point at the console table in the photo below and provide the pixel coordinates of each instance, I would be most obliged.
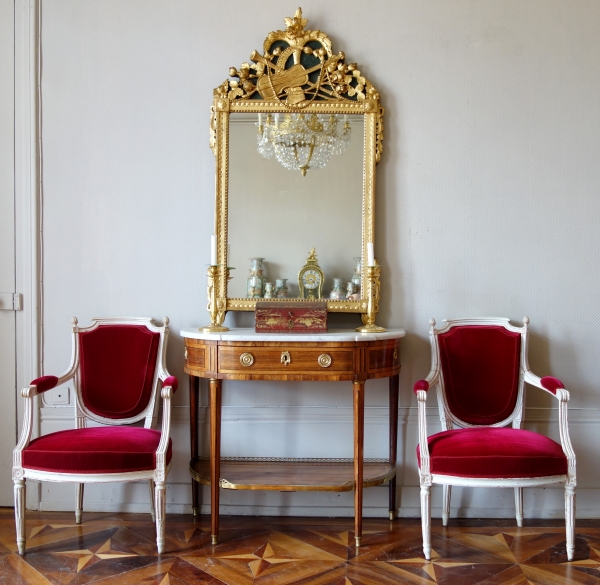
(242, 354)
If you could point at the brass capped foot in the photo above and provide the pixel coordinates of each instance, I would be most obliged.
(213, 539)
(392, 515)
(196, 511)
(357, 539)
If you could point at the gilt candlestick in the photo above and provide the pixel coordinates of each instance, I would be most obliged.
(373, 287)
(217, 314)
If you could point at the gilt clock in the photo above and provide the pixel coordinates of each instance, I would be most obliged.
(310, 278)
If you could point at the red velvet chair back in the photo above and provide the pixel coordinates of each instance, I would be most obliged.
(116, 369)
(480, 367)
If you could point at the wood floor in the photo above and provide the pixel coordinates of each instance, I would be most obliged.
(108, 548)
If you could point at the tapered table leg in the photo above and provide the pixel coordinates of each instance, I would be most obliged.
(215, 456)
(194, 391)
(359, 436)
(394, 385)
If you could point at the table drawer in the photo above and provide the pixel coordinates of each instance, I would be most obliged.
(279, 360)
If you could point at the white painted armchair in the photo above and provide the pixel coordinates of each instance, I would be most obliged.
(117, 371)
(480, 367)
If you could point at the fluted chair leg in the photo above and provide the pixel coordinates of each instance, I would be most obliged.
(519, 506)
(159, 505)
(20, 514)
(446, 504)
(78, 502)
(426, 520)
(570, 520)
(151, 489)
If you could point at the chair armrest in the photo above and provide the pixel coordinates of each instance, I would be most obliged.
(169, 387)
(423, 443)
(552, 384)
(557, 389)
(172, 382)
(427, 383)
(45, 383)
(420, 388)
(36, 388)
(421, 385)
(547, 383)
(39, 386)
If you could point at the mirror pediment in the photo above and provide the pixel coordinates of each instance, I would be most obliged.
(298, 66)
(319, 122)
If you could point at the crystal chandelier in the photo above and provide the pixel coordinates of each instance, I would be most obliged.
(302, 141)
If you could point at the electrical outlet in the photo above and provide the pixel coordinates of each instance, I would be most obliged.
(59, 395)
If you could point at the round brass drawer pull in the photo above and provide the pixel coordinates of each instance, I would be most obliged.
(324, 360)
(246, 359)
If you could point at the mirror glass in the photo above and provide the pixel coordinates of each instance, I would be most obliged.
(280, 215)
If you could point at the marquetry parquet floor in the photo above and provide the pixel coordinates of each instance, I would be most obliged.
(107, 549)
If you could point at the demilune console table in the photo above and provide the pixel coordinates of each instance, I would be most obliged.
(342, 355)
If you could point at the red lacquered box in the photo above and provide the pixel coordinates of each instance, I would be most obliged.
(291, 317)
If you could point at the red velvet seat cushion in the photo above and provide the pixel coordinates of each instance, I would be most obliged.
(95, 450)
(494, 453)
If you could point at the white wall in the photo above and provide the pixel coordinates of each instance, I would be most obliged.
(488, 204)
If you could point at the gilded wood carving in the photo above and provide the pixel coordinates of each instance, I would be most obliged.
(298, 67)
(298, 71)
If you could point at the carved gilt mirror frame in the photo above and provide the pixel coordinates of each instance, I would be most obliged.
(278, 82)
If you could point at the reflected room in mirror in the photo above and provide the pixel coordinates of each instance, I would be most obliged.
(280, 213)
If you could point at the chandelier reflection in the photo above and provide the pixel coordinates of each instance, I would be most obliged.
(302, 141)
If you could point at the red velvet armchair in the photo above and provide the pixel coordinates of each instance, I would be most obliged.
(480, 367)
(117, 371)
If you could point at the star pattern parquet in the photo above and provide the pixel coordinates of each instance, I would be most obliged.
(120, 549)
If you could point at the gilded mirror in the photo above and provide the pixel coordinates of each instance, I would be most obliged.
(296, 133)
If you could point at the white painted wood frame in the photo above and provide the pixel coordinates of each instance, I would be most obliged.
(156, 477)
(448, 419)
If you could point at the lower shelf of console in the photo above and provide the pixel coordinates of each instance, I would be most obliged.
(290, 475)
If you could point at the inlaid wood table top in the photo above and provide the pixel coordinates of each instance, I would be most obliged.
(121, 549)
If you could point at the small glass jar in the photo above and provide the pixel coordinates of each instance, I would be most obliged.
(357, 274)
(337, 294)
(351, 293)
(269, 290)
(281, 289)
(255, 284)
(254, 287)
